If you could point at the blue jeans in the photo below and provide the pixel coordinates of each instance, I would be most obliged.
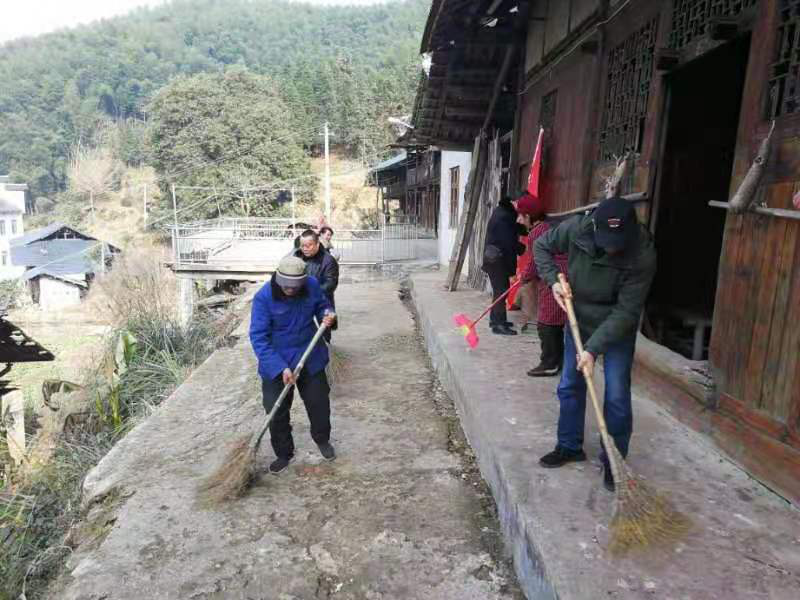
(617, 365)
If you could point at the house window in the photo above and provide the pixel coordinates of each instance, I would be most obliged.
(630, 70)
(2, 227)
(13, 226)
(455, 184)
(5, 258)
(784, 95)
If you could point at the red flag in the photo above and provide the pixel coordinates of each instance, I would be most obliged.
(533, 190)
(536, 167)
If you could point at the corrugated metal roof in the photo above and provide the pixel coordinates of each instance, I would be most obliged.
(63, 257)
(44, 232)
(390, 162)
(48, 272)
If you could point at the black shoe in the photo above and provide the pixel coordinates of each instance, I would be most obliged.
(503, 330)
(561, 456)
(279, 464)
(608, 479)
(543, 371)
(327, 451)
(509, 324)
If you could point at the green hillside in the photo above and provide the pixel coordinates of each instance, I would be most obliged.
(352, 66)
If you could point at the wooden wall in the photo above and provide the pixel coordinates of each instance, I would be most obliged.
(755, 349)
(568, 142)
(754, 412)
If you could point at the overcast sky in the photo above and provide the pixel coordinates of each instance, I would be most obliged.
(32, 17)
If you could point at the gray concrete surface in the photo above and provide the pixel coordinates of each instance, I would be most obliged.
(400, 514)
(745, 541)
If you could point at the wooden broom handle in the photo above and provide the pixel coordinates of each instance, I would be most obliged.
(576, 337)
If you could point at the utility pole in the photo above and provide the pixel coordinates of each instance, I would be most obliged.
(144, 203)
(327, 175)
(175, 228)
(294, 215)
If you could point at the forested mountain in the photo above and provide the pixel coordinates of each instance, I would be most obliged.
(352, 66)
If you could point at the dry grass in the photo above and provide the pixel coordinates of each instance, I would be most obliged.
(137, 287)
(353, 202)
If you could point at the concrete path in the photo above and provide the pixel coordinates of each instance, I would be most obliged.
(401, 514)
(745, 543)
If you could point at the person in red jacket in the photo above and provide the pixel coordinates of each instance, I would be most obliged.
(550, 318)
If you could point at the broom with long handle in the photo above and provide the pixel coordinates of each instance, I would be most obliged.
(232, 477)
(642, 516)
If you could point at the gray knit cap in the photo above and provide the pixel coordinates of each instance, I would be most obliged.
(291, 272)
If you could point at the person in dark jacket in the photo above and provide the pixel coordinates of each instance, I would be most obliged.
(281, 328)
(611, 262)
(320, 264)
(500, 260)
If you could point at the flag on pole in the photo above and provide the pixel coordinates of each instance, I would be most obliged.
(536, 167)
(533, 190)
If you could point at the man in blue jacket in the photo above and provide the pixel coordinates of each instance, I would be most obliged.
(281, 328)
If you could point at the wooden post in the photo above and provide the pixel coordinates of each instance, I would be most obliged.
(467, 224)
(12, 411)
(467, 221)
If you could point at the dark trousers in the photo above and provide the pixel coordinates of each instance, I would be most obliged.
(552, 341)
(617, 411)
(315, 392)
(500, 283)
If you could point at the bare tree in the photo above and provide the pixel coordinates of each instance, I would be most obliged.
(91, 171)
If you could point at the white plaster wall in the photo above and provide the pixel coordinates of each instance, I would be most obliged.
(17, 199)
(54, 294)
(447, 230)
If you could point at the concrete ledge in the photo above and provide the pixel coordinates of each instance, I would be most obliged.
(745, 542)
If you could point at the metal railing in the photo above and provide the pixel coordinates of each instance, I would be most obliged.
(259, 244)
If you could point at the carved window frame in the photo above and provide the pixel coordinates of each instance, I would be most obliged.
(628, 86)
(784, 77)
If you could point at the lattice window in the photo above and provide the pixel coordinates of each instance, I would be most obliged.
(690, 17)
(784, 84)
(547, 112)
(630, 71)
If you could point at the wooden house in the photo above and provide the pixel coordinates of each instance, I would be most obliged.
(412, 178)
(689, 90)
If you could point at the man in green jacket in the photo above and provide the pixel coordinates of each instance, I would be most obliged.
(611, 264)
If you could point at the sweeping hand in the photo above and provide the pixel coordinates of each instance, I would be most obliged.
(561, 291)
(585, 363)
(288, 377)
(329, 319)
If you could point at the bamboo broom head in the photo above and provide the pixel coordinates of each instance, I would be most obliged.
(642, 517)
(232, 478)
(338, 366)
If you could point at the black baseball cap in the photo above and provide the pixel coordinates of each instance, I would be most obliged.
(615, 224)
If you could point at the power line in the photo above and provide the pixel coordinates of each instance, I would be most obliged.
(275, 185)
